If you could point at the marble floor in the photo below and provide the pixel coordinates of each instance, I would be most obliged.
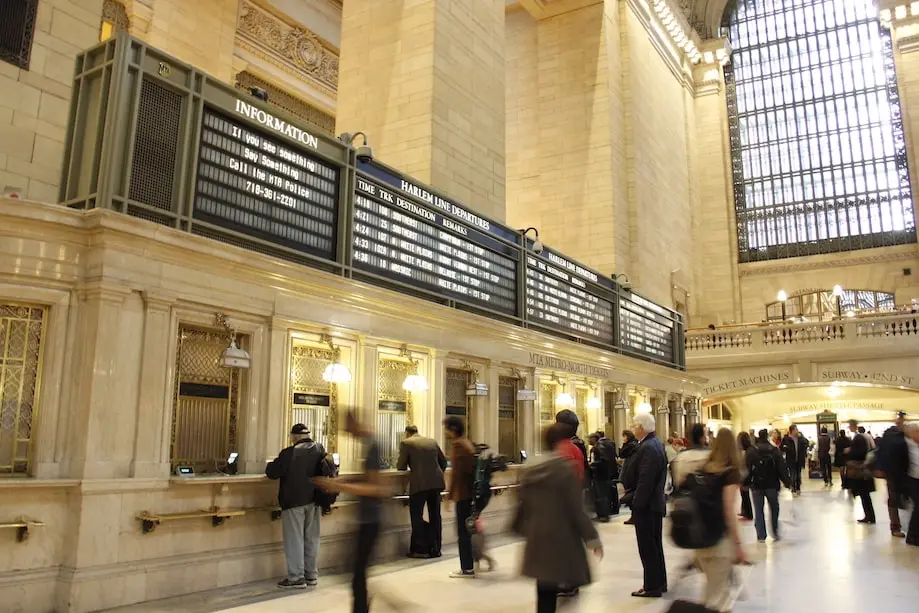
(825, 557)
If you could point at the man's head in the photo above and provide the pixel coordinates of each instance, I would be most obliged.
(853, 425)
(299, 433)
(568, 418)
(901, 418)
(627, 436)
(823, 430)
(697, 435)
(601, 434)
(454, 427)
(594, 438)
(411, 431)
(793, 430)
(643, 425)
(555, 434)
(762, 436)
(861, 429)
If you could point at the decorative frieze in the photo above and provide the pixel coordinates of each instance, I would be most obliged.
(293, 105)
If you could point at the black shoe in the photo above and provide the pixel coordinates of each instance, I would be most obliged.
(299, 584)
(569, 593)
(643, 593)
(419, 556)
(867, 521)
(629, 522)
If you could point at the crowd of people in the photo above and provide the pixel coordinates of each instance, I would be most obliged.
(708, 482)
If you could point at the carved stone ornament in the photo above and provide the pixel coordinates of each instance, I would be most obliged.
(317, 118)
(882, 258)
(113, 12)
(295, 45)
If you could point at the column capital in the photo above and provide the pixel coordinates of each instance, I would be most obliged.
(156, 300)
(104, 292)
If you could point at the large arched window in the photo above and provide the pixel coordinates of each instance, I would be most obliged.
(817, 144)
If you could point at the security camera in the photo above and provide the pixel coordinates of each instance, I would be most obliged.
(537, 246)
(626, 285)
(258, 92)
(365, 153)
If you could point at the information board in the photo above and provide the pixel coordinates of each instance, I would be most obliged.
(646, 328)
(258, 185)
(564, 301)
(407, 239)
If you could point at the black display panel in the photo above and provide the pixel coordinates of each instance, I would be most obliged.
(645, 328)
(565, 301)
(408, 240)
(258, 185)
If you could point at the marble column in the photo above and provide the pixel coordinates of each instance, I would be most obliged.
(677, 415)
(154, 410)
(527, 419)
(661, 415)
(620, 414)
(693, 411)
(425, 81)
(439, 395)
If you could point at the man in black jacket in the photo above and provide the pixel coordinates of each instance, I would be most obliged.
(893, 462)
(823, 454)
(600, 469)
(295, 467)
(644, 478)
(767, 471)
(611, 453)
(794, 446)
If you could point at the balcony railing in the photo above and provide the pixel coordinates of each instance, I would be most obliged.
(806, 335)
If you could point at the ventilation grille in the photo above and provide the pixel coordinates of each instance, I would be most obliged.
(17, 26)
(155, 146)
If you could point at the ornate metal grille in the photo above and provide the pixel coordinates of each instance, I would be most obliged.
(822, 304)
(819, 156)
(21, 334)
(507, 415)
(546, 402)
(395, 407)
(17, 27)
(159, 120)
(206, 401)
(456, 400)
(309, 390)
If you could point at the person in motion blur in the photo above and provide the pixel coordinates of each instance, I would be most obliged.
(575, 449)
(893, 465)
(823, 456)
(629, 445)
(767, 471)
(688, 461)
(644, 480)
(839, 458)
(776, 438)
(370, 490)
(744, 443)
(858, 475)
(794, 446)
(724, 471)
(426, 481)
(551, 518)
(600, 469)
(462, 463)
(912, 441)
(295, 467)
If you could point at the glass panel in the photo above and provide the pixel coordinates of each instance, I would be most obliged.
(819, 153)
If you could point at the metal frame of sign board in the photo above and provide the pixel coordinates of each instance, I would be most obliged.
(114, 84)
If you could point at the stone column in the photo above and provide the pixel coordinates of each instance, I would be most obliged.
(661, 415)
(677, 415)
(620, 414)
(527, 420)
(155, 406)
(439, 395)
(693, 411)
(425, 81)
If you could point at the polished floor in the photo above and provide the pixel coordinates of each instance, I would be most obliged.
(825, 559)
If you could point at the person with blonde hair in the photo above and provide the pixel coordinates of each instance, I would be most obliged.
(725, 471)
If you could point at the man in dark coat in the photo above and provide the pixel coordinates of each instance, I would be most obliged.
(426, 481)
(644, 478)
(794, 446)
(860, 479)
(893, 463)
(600, 470)
(823, 454)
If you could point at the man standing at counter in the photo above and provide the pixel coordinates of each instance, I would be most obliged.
(295, 467)
(426, 480)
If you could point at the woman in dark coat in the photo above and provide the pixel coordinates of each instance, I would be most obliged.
(744, 442)
(839, 459)
(551, 517)
(861, 481)
(629, 445)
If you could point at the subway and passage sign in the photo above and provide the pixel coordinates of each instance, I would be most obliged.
(257, 185)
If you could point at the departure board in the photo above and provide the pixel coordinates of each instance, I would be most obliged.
(258, 185)
(564, 300)
(410, 240)
(646, 328)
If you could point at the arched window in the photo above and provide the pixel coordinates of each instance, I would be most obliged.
(817, 144)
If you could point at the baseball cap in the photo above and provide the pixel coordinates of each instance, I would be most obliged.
(299, 429)
(567, 417)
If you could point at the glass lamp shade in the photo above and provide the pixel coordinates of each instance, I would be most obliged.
(415, 383)
(644, 407)
(593, 403)
(564, 400)
(336, 373)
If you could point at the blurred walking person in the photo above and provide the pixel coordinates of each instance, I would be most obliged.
(767, 471)
(893, 465)
(794, 446)
(551, 517)
(600, 470)
(912, 441)
(462, 463)
(858, 475)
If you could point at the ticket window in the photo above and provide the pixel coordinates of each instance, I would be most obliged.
(457, 402)
(313, 400)
(394, 408)
(507, 416)
(547, 394)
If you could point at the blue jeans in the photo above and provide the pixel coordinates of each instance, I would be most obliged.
(759, 498)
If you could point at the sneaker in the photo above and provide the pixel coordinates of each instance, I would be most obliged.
(312, 582)
(898, 534)
(298, 584)
(462, 574)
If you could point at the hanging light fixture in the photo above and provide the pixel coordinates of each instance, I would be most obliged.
(593, 403)
(413, 381)
(564, 400)
(335, 372)
(644, 407)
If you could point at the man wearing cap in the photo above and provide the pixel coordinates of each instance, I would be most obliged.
(295, 467)
(574, 448)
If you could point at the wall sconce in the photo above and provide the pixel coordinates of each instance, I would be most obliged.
(644, 407)
(782, 297)
(593, 402)
(413, 381)
(233, 356)
(564, 400)
(335, 372)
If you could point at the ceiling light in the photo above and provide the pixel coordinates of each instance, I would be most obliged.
(336, 373)
(564, 400)
(782, 296)
(593, 403)
(415, 383)
(643, 407)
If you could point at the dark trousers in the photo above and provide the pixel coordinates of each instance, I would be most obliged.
(366, 540)
(894, 495)
(649, 531)
(746, 506)
(912, 536)
(426, 536)
(546, 598)
(614, 497)
(795, 470)
(463, 538)
(826, 468)
(600, 488)
(867, 505)
(759, 502)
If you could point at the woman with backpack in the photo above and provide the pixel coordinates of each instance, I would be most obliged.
(723, 474)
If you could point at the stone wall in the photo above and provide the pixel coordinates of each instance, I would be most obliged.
(34, 103)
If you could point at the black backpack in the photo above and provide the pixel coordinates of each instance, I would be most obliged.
(697, 518)
(764, 471)
(486, 464)
(322, 498)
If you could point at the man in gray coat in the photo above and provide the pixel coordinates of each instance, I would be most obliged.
(426, 481)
